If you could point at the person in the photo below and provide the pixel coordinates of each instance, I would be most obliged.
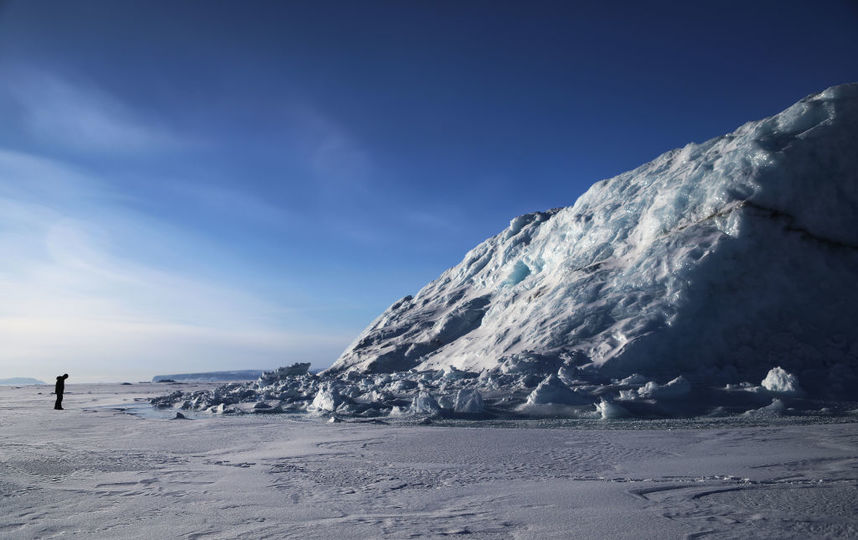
(59, 389)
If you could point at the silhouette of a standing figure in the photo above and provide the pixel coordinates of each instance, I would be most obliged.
(59, 389)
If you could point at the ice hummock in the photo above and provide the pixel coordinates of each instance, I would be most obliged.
(781, 382)
(662, 291)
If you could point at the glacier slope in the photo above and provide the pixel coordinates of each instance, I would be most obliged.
(718, 261)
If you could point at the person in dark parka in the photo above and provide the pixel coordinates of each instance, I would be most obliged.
(59, 389)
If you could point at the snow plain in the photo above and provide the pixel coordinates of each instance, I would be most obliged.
(97, 471)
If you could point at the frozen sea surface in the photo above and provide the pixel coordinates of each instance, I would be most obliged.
(97, 471)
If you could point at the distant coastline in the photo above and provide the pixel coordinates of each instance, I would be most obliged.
(20, 381)
(240, 375)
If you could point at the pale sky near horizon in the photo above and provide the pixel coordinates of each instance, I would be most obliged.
(197, 186)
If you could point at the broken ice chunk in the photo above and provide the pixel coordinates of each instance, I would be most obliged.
(676, 388)
(425, 403)
(469, 401)
(780, 381)
(327, 398)
(552, 390)
(610, 410)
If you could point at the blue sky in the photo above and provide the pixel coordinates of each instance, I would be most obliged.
(190, 186)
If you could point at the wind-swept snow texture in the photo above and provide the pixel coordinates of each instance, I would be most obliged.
(717, 261)
(95, 471)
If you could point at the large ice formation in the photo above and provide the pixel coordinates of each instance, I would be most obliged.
(662, 291)
(719, 261)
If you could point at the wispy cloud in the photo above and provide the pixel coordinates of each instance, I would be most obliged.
(70, 295)
(434, 220)
(96, 271)
(233, 202)
(81, 116)
(336, 159)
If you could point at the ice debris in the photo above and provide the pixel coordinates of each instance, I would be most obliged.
(327, 398)
(537, 393)
(469, 401)
(553, 391)
(780, 381)
(675, 388)
(425, 403)
(775, 408)
(609, 410)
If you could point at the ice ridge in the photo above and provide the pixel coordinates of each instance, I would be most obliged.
(716, 279)
(716, 260)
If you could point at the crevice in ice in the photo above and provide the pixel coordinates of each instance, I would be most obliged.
(791, 226)
(772, 213)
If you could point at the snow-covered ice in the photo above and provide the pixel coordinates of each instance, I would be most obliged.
(96, 471)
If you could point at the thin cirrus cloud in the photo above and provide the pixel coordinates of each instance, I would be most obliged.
(70, 298)
(336, 159)
(83, 117)
(102, 269)
(232, 203)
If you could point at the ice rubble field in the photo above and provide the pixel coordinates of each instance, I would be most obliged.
(96, 471)
(429, 396)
